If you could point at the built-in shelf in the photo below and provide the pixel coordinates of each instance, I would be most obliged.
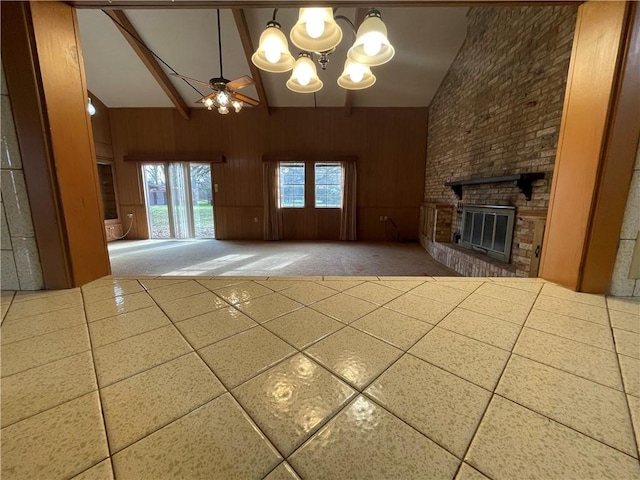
(523, 182)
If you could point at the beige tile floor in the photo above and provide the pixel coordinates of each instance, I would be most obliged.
(319, 378)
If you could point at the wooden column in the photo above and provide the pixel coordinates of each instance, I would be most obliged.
(45, 75)
(596, 149)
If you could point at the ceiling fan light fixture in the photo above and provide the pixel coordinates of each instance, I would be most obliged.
(304, 78)
(372, 47)
(223, 110)
(273, 53)
(237, 105)
(316, 30)
(223, 98)
(356, 76)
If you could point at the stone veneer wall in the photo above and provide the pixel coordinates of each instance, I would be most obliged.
(621, 284)
(20, 258)
(498, 112)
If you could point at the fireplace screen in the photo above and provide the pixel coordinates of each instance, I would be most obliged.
(488, 229)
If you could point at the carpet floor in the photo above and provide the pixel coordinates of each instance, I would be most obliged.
(216, 257)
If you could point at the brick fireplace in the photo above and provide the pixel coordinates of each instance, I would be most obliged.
(496, 116)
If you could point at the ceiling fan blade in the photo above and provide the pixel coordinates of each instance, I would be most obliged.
(241, 82)
(245, 99)
(211, 95)
(190, 79)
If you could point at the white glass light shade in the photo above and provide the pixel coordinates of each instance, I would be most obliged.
(223, 110)
(273, 53)
(91, 109)
(356, 76)
(223, 98)
(304, 78)
(237, 105)
(372, 46)
(316, 30)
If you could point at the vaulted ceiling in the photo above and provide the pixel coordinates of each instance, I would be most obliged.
(426, 40)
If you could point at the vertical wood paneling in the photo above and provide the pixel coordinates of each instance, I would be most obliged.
(597, 42)
(388, 142)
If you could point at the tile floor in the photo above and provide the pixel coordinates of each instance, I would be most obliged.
(319, 378)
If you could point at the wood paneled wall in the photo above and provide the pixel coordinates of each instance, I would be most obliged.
(388, 142)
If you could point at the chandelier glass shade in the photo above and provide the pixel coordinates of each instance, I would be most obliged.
(304, 78)
(316, 31)
(273, 53)
(372, 45)
(356, 76)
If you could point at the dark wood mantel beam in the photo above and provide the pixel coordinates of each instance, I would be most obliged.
(120, 19)
(247, 44)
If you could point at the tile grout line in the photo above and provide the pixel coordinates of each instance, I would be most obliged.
(493, 394)
(362, 391)
(95, 372)
(11, 300)
(571, 339)
(272, 444)
(567, 426)
(635, 434)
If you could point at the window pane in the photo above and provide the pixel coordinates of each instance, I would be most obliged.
(501, 233)
(466, 233)
(476, 235)
(328, 185)
(487, 233)
(291, 185)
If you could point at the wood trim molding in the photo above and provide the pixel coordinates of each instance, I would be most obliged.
(174, 157)
(618, 160)
(27, 98)
(120, 18)
(308, 158)
(146, 4)
(247, 44)
(576, 189)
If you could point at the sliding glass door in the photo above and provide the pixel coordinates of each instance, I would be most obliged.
(179, 200)
(201, 200)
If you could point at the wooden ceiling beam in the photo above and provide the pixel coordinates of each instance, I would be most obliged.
(247, 44)
(348, 98)
(142, 4)
(120, 19)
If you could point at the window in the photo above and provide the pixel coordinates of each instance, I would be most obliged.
(291, 185)
(488, 230)
(328, 185)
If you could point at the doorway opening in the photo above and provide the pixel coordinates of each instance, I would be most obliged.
(179, 200)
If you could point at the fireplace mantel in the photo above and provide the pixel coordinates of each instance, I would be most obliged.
(523, 182)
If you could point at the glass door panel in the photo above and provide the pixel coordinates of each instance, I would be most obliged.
(202, 200)
(179, 200)
(155, 183)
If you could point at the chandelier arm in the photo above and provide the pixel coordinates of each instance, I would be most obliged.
(273, 17)
(354, 30)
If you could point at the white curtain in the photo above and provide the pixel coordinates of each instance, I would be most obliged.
(349, 196)
(272, 215)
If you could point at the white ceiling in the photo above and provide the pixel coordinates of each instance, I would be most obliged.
(426, 40)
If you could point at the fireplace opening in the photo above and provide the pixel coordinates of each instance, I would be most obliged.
(488, 229)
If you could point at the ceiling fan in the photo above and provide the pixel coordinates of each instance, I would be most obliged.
(224, 93)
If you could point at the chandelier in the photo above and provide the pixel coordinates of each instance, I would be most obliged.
(317, 32)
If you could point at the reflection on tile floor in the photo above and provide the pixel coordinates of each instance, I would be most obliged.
(334, 378)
